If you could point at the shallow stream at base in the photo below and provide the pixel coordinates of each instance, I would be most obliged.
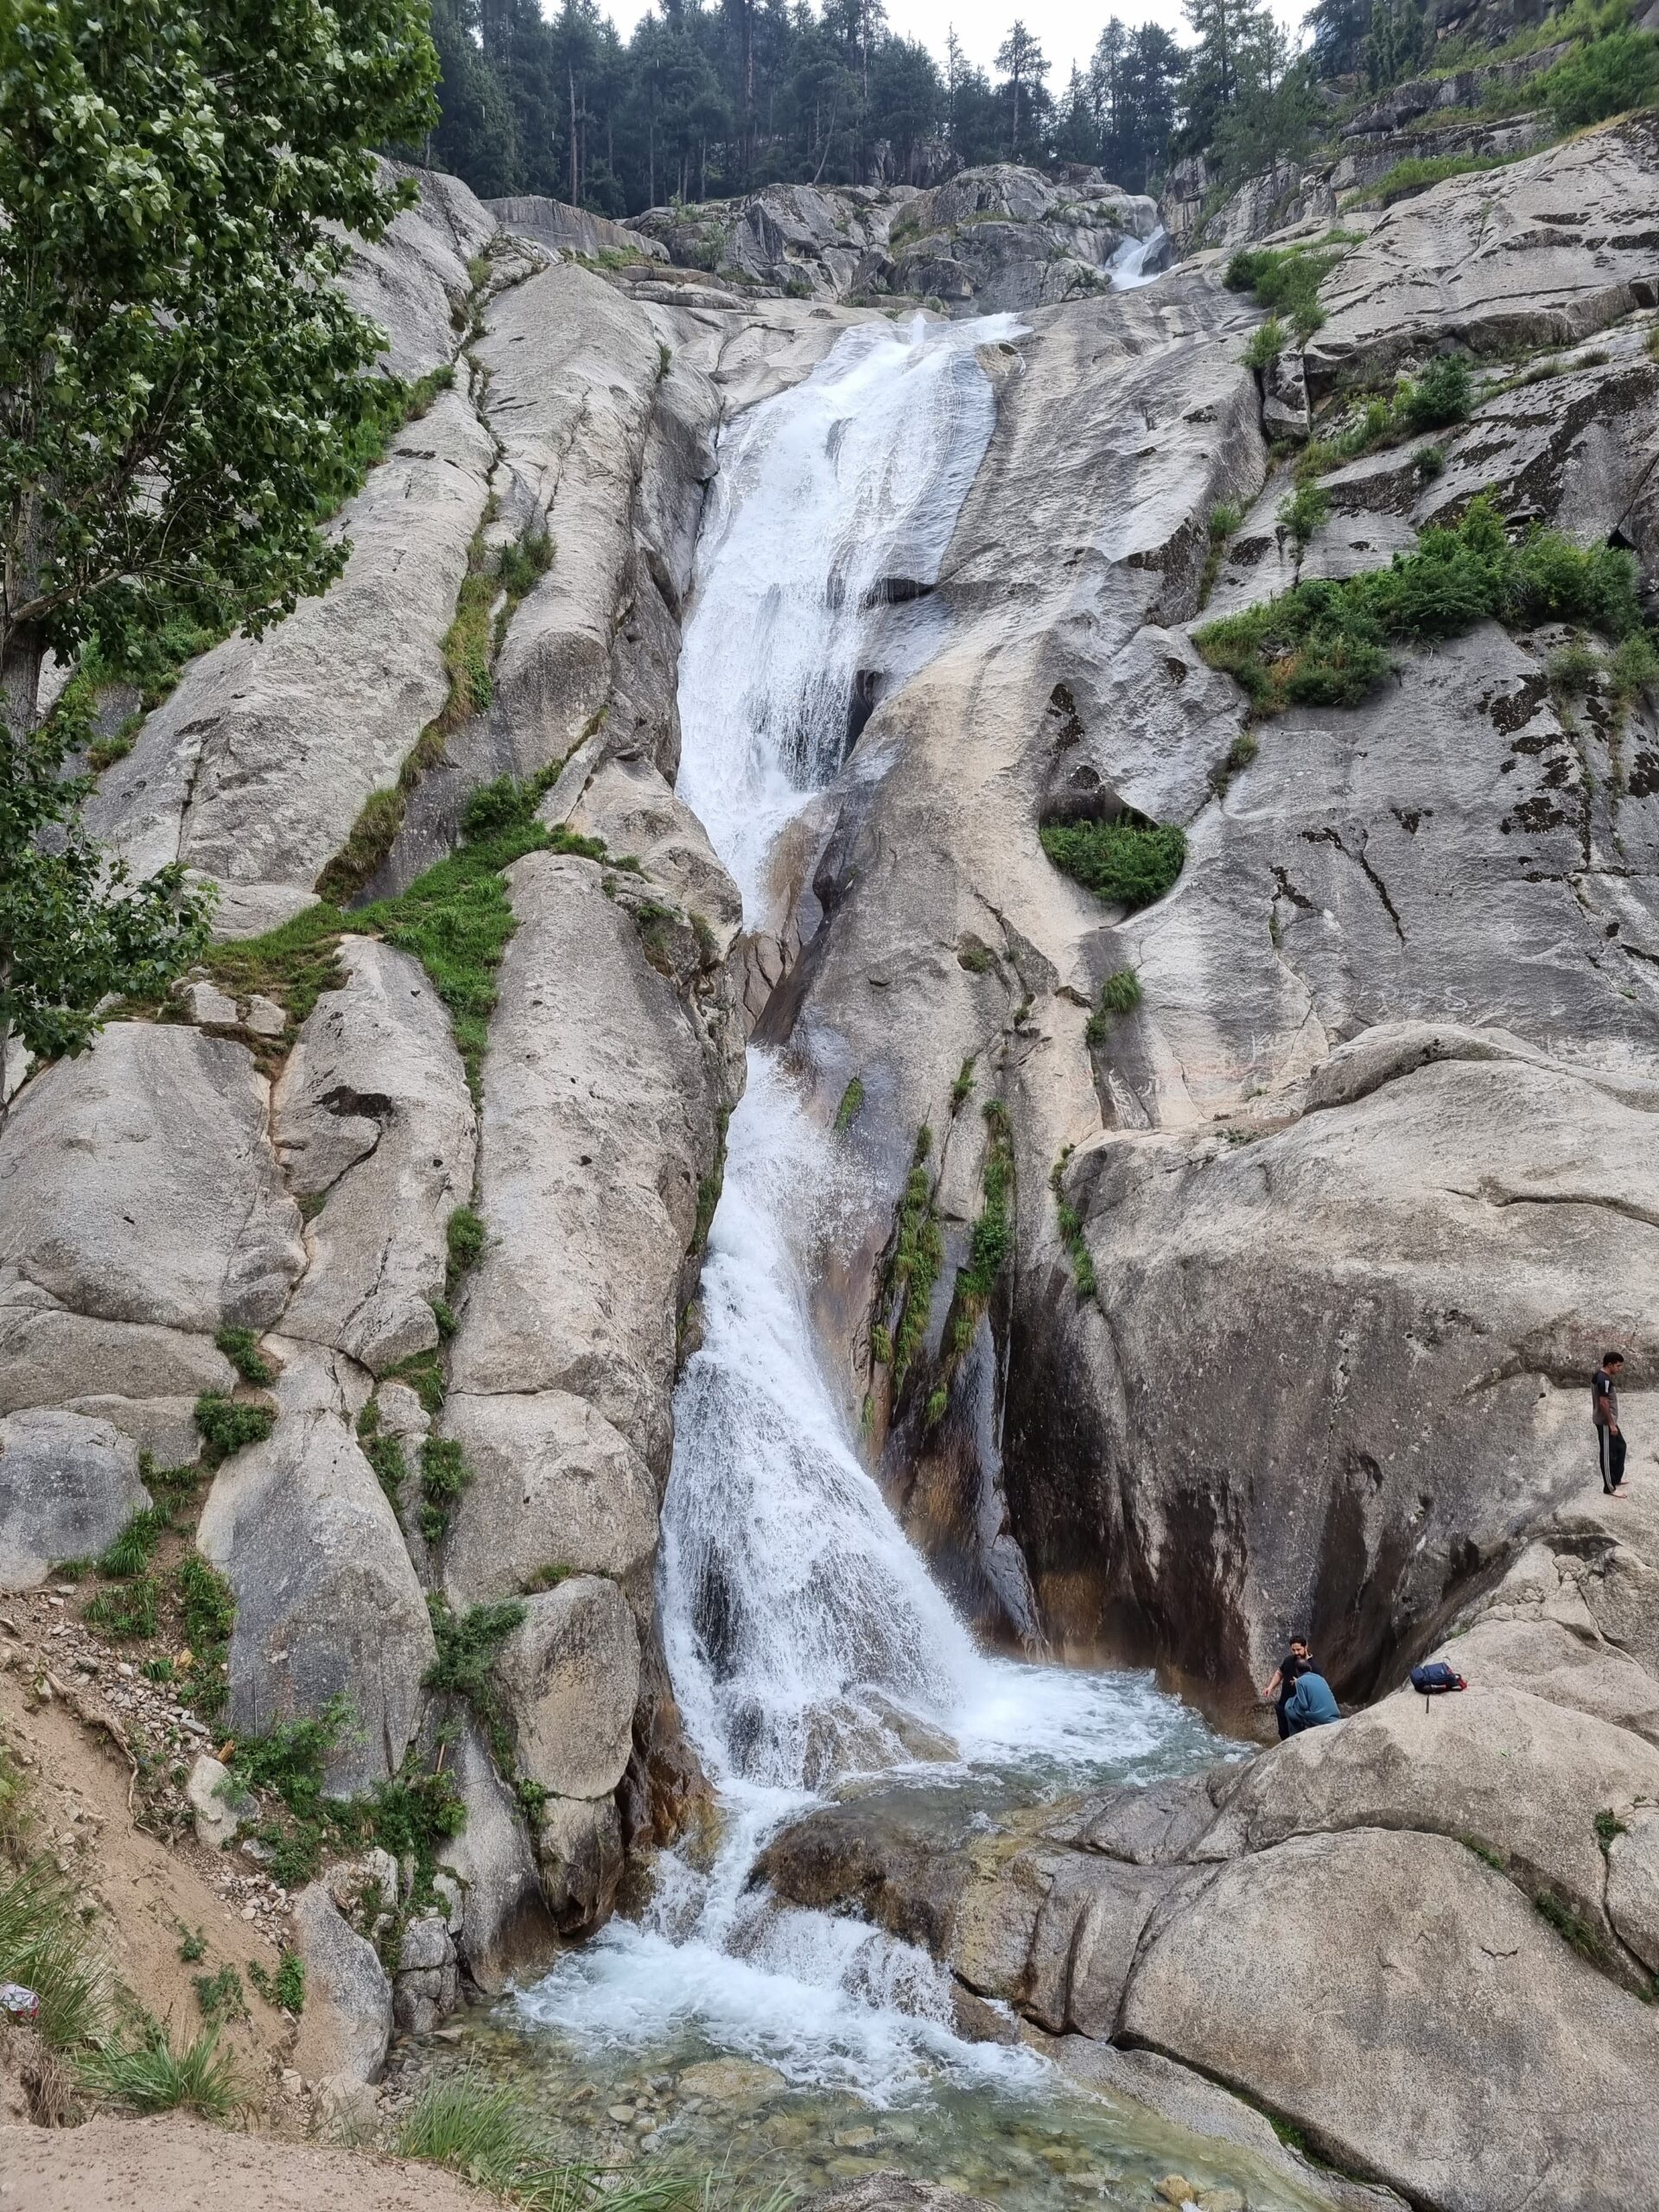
(811, 1651)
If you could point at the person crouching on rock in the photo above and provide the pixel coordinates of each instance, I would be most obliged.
(1310, 1704)
(1604, 1411)
(1277, 1693)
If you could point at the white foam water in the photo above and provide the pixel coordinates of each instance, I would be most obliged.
(846, 482)
(1129, 264)
(806, 1639)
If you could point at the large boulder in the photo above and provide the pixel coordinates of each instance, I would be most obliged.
(138, 1184)
(553, 1486)
(373, 1114)
(579, 1845)
(1050, 1930)
(1547, 1659)
(505, 1928)
(1520, 1777)
(68, 1486)
(1513, 1198)
(347, 2024)
(570, 1676)
(1414, 2016)
(327, 1605)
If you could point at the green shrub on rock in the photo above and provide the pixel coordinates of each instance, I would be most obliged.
(1442, 395)
(1605, 77)
(1323, 643)
(227, 1424)
(1128, 862)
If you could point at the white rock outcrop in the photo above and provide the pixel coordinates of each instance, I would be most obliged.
(328, 1604)
(373, 1116)
(68, 1486)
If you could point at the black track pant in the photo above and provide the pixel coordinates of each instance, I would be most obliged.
(1610, 1457)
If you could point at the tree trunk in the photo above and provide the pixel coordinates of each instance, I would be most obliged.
(575, 192)
(22, 652)
(748, 94)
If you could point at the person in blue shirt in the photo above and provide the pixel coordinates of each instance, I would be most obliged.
(1310, 1705)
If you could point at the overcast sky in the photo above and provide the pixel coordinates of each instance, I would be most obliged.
(1065, 29)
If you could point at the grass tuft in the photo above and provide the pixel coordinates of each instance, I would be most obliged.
(207, 1612)
(151, 2076)
(286, 1987)
(44, 1945)
(468, 1644)
(444, 1475)
(241, 1348)
(130, 1553)
(228, 1425)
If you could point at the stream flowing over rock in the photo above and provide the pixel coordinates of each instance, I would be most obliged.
(1262, 1297)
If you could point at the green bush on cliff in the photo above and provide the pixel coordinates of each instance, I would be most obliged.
(1286, 280)
(1604, 78)
(1323, 644)
(1128, 862)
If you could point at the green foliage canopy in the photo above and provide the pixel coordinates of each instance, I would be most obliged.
(181, 391)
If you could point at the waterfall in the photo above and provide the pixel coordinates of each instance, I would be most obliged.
(846, 484)
(805, 1636)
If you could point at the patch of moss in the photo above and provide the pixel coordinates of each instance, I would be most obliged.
(918, 1257)
(851, 1100)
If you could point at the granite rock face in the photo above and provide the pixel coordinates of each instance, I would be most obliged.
(1560, 248)
(68, 1486)
(989, 240)
(372, 1118)
(1231, 1984)
(255, 769)
(327, 1603)
(347, 2024)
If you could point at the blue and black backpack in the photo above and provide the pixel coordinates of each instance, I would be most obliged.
(1436, 1679)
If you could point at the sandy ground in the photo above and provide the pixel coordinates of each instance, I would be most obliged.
(140, 1897)
(178, 2166)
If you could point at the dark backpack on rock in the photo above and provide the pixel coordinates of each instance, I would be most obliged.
(1436, 1679)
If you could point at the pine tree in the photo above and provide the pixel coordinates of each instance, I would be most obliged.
(1025, 65)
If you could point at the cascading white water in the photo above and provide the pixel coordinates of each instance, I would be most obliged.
(1129, 264)
(848, 482)
(805, 1638)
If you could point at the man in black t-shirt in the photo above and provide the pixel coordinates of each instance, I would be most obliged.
(1297, 1660)
(1604, 1411)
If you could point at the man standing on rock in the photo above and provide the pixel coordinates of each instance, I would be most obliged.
(1295, 1662)
(1604, 1409)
